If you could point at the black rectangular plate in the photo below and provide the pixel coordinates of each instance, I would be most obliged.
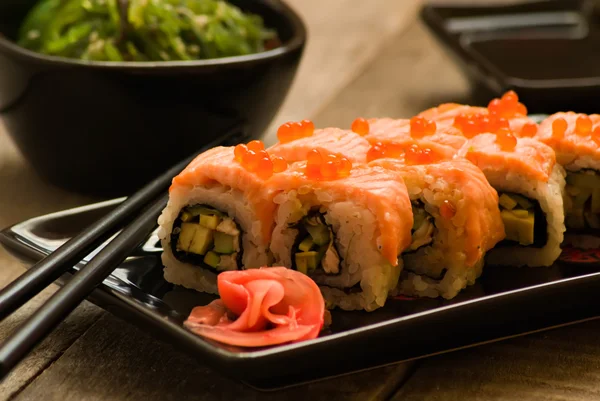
(505, 302)
(545, 50)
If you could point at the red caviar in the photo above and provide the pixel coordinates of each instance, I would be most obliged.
(596, 135)
(360, 126)
(583, 125)
(326, 166)
(292, 131)
(254, 158)
(447, 210)
(256, 146)
(506, 140)
(416, 155)
(559, 127)
(529, 130)
(472, 125)
(380, 150)
(279, 164)
(508, 106)
(420, 127)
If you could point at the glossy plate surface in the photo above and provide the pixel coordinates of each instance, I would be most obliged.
(505, 302)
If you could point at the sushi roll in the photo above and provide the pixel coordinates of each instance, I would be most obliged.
(343, 225)
(530, 187)
(219, 217)
(504, 112)
(575, 138)
(456, 221)
(414, 133)
(297, 139)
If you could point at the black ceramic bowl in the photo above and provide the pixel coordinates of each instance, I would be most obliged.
(105, 129)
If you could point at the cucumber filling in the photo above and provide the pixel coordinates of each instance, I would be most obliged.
(524, 221)
(206, 237)
(582, 211)
(314, 250)
(423, 227)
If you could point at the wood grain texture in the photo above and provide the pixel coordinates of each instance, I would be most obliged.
(115, 361)
(344, 36)
(23, 195)
(562, 364)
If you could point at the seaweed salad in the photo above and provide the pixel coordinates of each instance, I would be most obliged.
(144, 30)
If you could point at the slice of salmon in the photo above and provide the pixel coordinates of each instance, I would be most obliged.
(530, 158)
(288, 301)
(445, 142)
(572, 145)
(217, 166)
(445, 114)
(330, 140)
(381, 191)
(472, 219)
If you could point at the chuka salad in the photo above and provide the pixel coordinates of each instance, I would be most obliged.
(143, 30)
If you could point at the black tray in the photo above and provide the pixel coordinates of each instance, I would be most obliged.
(505, 302)
(547, 51)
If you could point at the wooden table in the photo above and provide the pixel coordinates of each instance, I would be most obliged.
(371, 58)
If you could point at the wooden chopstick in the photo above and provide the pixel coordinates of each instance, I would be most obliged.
(66, 299)
(49, 269)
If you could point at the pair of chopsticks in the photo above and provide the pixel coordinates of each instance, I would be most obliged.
(146, 204)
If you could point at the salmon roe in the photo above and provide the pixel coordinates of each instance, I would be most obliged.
(420, 127)
(417, 155)
(360, 126)
(381, 150)
(326, 166)
(413, 154)
(529, 130)
(506, 140)
(254, 158)
(559, 127)
(447, 210)
(292, 131)
(475, 124)
(596, 135)
(508, 106)
(583, 126)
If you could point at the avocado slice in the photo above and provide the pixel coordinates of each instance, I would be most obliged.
(306, 244)
(202, 240)
(596, 200)
(507, 202)
(212, 259)
(319, 233)
(518, 229)
(185, 216)
(306, 261)
(575, 219)
(581, 180)
(224, 243)
(520, 213)
(582, 196)
(209, 221)
(522, 201)
(186, 235)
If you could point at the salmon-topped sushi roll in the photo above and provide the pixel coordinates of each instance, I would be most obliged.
(575, 138)
(344, 225)
(504, 112)
(219, 217)
(530, 186)
(396, 136)
(297, 139)
(456, 221)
